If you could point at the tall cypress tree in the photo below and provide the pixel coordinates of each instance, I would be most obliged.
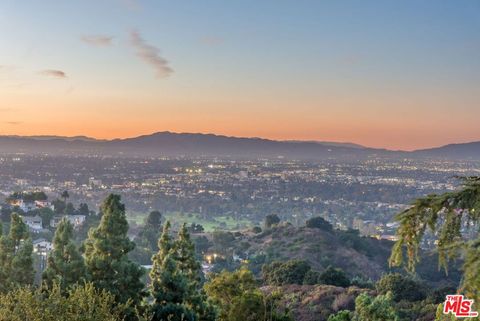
(65, 263)
(106, 250)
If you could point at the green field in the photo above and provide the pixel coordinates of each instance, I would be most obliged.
(178, 218)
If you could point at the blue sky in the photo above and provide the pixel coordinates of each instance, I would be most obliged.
(382, 73)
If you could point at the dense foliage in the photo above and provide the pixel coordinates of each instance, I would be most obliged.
(106, 249)
(449, 217)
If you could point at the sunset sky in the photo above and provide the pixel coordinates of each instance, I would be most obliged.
(396, 74)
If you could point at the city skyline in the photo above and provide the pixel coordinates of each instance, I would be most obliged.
(380, 74)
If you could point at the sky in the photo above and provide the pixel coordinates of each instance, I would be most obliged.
(393, 74)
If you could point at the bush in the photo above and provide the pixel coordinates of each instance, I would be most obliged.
(341, 316)
(290, 272)
(320, 223)
(271, 220)
(401, 287)
(333, 276)
(311, 277)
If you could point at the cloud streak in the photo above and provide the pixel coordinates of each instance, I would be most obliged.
(97, 40)
(53, 73)
(150, 55)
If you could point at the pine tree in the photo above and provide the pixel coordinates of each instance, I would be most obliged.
(16, 261)
(106, 250)
(65, 264)
(170, 289)
(185, 256)
(6, 254)
(22, 272)
(18, 230)
(190, 267)
(165, 243)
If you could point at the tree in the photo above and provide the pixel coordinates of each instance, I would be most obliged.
(69, 209)
(334, 276)
(106, 250)
(16, 261)
(18, 230)
(447, 216)
(281, 273)
(237, 298)
(154, 220)
(271, 220)
(83, 209)
(65, 195)
(379, 308)
(196, 228)
(225, 289)
(188, 265)
(83, 303)
(65, 264)
(402, 288)
(184, 250)
(320, 223)
(59, 206)
(46, 214)
(343, 315)
(169, 289)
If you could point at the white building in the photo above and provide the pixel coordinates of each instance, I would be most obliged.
(75, 220)
(33, 222)
(42, 247)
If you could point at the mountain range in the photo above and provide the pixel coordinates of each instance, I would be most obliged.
(210, 145)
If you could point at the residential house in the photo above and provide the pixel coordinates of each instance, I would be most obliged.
(33, 222)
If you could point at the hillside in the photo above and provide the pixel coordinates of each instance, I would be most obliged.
(315, 302)
(356, 255)
(453, 151)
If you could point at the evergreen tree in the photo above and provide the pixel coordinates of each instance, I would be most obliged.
(65, 264)
(106, 250)
(165, 244)
(190, 267)
(154, 220)
(6, 254)
(449, 217)
(170, 290)
(16, 261)
(18, 230)
(185, 256)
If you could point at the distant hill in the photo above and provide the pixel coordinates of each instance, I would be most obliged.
(210, 145)
(185, 144)
(454, 151)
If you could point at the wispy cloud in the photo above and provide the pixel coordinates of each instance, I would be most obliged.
(97, 40)
(53, 73)
(150, 55)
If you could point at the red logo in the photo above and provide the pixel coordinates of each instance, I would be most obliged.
(459, 306)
